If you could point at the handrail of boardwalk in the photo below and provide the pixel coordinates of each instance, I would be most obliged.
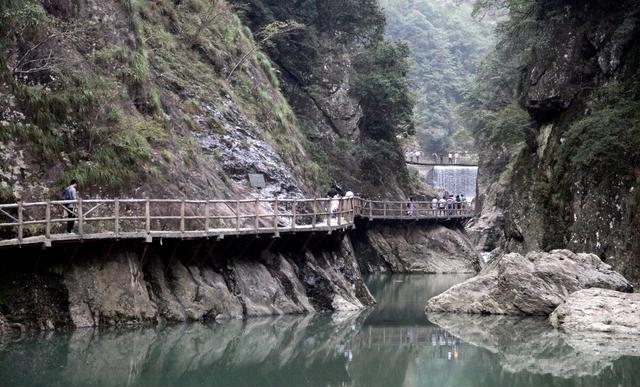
(44, 222)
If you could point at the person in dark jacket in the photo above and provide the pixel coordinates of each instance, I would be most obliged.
(70, 193)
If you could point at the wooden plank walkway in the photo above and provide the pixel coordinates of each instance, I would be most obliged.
(432, 164)
(43, 223)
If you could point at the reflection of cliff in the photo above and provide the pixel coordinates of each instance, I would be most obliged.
(286, 351)
(404, 297)
(532, 345)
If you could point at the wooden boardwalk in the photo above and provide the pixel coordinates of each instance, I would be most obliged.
(443, 164)
(148, 219)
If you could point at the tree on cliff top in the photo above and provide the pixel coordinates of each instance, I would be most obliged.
(383, 90)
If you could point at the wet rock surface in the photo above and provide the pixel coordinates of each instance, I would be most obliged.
(532, 345)
(534, 284)
(415, 248)
(182, 283)
(599, 311)
(596, 212)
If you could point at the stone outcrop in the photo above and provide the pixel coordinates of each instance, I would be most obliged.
(108, 291)
(532, 345)
(524, 183)
(534, 284)
(178, 283)
(415, 248)
(599, 311)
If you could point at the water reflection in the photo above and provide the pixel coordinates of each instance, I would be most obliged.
(392, 346)
(532, 345)
(401, 298)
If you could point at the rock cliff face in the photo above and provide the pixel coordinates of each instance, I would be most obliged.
(572, 182)
(87, 288)
(414, 248)
(176, 99)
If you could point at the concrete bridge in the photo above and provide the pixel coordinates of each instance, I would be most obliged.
(24, 223)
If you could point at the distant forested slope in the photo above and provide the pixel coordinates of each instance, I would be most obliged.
(447, 44)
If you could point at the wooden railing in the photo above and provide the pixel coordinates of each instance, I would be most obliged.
(444, 163)
(44, 222)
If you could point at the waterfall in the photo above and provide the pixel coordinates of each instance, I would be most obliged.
(456, 180)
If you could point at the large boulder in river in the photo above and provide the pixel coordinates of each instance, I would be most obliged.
(600, 311)
(534, 284)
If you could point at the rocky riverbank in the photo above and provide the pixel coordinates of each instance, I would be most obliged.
(414, 248)
(599, 311)
(98, 284)
(534, 284)
(123, 283)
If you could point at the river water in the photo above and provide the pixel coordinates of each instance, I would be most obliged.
(393, 345)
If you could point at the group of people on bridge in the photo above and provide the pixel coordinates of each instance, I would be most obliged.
(447, 205)
(452, 157)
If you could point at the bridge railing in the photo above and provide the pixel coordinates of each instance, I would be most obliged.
(42, 222)
(146, 218)
(415, 210)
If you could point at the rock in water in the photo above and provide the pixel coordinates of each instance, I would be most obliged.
(599, 310)
(533, 285)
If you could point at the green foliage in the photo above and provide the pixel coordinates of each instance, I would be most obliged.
(138, 71)
(446, 45)
(24, 18)
(114, 164)
(493, 7)
(268, 69)
(108, 56)
(606, 141)
(383, 90)
(359, 22)
(380, 159)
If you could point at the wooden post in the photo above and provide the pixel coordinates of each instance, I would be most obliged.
(315, 214)
(116, 217)
(255, 209)
(293, 215)
(384, 209)
(47, 230)
(340, 208)
(206, 216)
(147, 217)
(182, 204)
(237, 216)
(20, 225)
(275, 216)
(80, 218)
(370, 210)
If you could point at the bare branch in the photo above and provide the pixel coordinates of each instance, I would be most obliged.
(267, 33)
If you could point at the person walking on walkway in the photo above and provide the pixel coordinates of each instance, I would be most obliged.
(410, 206)
(70, 193)
(450, 158)
(450, 202)
(442, 203)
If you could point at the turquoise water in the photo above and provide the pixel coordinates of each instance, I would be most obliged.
(393, 345)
